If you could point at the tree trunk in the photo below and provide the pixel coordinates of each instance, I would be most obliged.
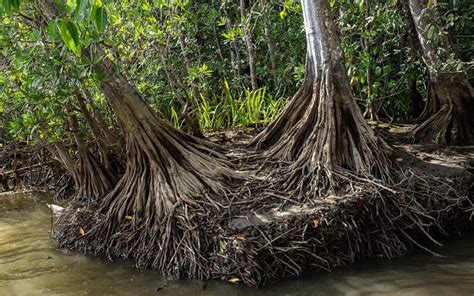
(234, 47)
(249, 43)
(415, 98)
(450, 103)
(217, 41)
(190, 119)
(195, 128)
(413, 93)
(322, 130)
(371, 111)
(270, 42)
(105, 149)
(171, 179)
(92, 180)
(168, 173)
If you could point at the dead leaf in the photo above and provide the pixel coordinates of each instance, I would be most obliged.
(315, 223)
(81, 231)
(234, 280)
(129, 218)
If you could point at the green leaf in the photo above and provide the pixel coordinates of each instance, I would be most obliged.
(10, 5)
(53, 30)
(15, 4)
(431, 3)
(101, 19)
(431, 32)
(80, 9)
(71, 6)
(70, 35)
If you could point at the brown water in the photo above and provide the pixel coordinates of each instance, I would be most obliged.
(31, 265)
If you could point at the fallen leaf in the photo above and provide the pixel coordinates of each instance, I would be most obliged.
(234, 280)
(81, 231)
(315, 223)
(129, 218)
(240, 237)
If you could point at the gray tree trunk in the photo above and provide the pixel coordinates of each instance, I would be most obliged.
(322, 131)
(450, 103)
(249, 43)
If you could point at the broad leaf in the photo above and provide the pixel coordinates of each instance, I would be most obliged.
(70, 35)
(101, 19)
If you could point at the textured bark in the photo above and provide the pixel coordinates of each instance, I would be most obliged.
(371, 108)
(109, 151)
(179, 166)
(92, 180)
(249, 43)
(270, 41)
(417, 104)
(322, 130)
(112, 133)
(453, 121)
(169, 175)
(450, 105)
(234, 46)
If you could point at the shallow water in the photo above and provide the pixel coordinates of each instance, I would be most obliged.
(31, 265)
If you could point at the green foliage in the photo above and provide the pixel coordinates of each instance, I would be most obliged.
(7, 6)
(43, 68)
(70, 35)
(100, 18)
(238, 110)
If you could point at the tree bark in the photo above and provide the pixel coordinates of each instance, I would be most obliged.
(450, 103)
(169, 175)
(234, 46)
(417, 104)
(106, 149)
(270, 41)
(249, 43)
(92, 180)
(322, 130)
(371, 111)
(195, 128)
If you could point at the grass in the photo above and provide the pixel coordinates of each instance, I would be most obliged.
(238, 109)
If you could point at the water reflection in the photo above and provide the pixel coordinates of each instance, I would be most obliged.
(30, 265)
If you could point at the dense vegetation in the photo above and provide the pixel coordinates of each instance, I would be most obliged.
(194, 55)
(123, 93)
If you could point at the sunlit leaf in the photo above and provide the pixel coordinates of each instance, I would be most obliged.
(70, 36)
(315, 223)
(53, 30)
(234, 280)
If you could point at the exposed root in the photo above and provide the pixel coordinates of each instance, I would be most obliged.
(327, 142)
(446, 127)
(370, 222)
(173, 182)
(448, 113)
(258, 234)
(92, 180)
